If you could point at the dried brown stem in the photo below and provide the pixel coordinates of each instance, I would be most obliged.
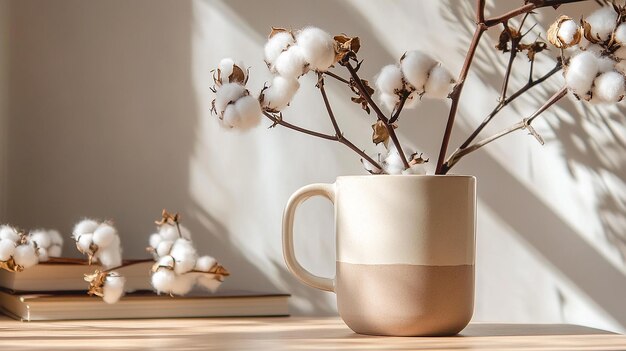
(381, 116)
(129, 263)
(523, 124)
(337, 77)
(536, 4)
(398, 110)
(280, 121)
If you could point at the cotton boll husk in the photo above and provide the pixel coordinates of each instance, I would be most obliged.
(86, 226)
(7, 249)
(109, 257)
(9, 233)
(208, 282)
(205, 263)
(104, 235)
(84, 242)
(183, 284)
(280, 93)
(389, 80)
(25, 255)
(291, 63)
(163, 280)
(227, 93)
(602, 22)
(42, 254)
(185, 256)
(164, 247)
(621, 53)
(154, 240)
(567, 31)
(56, 237)
(41, 238)
(609, 87)
(248, 113)
(317, 47)
(113, 288)
(581, 72)
(415, 67)
(439, 83)
(55, 250)
(276, 45)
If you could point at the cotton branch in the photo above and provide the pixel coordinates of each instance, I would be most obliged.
(523, 124)
(530, 6)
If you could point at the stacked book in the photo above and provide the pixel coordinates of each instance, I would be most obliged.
(56, 291)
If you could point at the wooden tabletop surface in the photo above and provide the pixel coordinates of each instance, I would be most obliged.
(286, 333)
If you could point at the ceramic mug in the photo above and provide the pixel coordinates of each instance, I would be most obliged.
(405, 252)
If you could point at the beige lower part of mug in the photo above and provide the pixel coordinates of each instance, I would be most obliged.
(405, 299)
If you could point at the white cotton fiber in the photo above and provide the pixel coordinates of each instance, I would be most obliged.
(164, 247)
(9, 233)
(605, 64)
(393, 162)
(228, 93)
(226, 69)
(7, 248)
(439, 83)
(168, 232)
(25, 255)
(42, 254)
(86, 226)
(55, 251)
(581, 72)
(104, 235)
(317, 47)
(389, 101)
(56, 237)
(230, 116)
(163, 280)
(113, 288)
(609, 87)
(247, 114)
(183, 283)
(620, 34)
(41, 238)
(84, 242)
(110, 257)
(418, 168)
(185, 256)
(154, 240)
(602, 22)
(389, 80)
(280, 93)
(276, 45)
(369, 167)
(208, 282)
(567, 31)
(415, 67)
(291, 63)
(166, 261)
(205, 263)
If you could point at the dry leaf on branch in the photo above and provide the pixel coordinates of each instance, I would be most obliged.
(380, 132)
(506, 36)
(346, 47)
(360, 99)
(533, 49)
(96, 282)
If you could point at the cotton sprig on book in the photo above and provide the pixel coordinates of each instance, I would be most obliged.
(178, 266)
(591, 57)
(19, 250)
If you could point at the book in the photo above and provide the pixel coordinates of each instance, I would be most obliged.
(38, 306)
(67, 274)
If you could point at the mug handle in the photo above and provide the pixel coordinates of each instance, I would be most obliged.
(320, 189)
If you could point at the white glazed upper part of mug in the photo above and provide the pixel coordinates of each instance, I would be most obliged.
(415, 220)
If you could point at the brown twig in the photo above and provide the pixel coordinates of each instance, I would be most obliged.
(523, 124)
(129, 263)
(399, 108)
(337, 77)
(381, 116)
(490, 22)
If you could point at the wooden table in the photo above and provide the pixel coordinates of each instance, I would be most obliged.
(286, 334)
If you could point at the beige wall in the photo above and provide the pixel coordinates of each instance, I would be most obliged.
(109, 118)
(4, 100)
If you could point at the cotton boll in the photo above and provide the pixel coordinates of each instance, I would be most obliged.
(164, 247)
(620, 34)
(280, 93)
(567, 31)
(86, 226)
(42, 254)
(609, 87)
(205, 263)
(55, 251)
(166, 261)
(183, 284)
(56, 237)
(168, 232)
(439, 83)
(226, 67)
(595, 49)
(318, 47)
(110, 257)
(84, 242)
(25, 255)
(393, 162)
(104, 235)
(226, 94)
(415, 67)
(9, 233)
(185, 256)
(278, 43)
(621, 53)
(208, 282)
(41, 238)
(113, 288)
(163, 280)
(7, 249)
(291, 63)
(389, 80)
(417, 168)
(248, 114)
(602, 22)
(154, 240)
(371, 168)
(389, 101)
(605, 64)
(581, 72)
